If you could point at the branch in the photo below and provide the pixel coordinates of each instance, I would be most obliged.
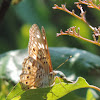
(82, 14)
(63, 7)
(89, 4)
(72, 32)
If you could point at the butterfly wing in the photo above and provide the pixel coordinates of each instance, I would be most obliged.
(34, 41)
(38, 47)
(36, 67)
(46, 49)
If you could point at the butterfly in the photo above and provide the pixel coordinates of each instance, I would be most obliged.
(37, 71)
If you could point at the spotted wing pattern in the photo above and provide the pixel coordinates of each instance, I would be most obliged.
(37, 66)
(46, 49)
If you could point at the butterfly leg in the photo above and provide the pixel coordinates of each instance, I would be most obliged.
(59, 81)
(51, 88)
(62, 76)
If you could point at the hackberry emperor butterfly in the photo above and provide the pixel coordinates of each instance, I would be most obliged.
(37, 69)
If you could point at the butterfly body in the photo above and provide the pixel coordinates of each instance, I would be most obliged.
(37, 68)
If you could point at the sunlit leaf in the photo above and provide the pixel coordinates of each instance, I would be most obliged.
(91, 95)
(56, 92)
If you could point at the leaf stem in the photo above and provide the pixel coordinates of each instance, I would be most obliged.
(94, 87)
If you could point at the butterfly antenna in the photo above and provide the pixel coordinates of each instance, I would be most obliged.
(63, 62)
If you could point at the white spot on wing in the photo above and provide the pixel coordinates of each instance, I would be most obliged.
(38, 36)
(39, 45)
(44, 37)
(46, 46)
(42, 46)
(35, 42)
(32, 31)
(23, 78)
(34, 56)
(34, 45)
(32, 38)
(31, 43)
(38, 56)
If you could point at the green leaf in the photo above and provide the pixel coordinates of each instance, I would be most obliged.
(91, 95)
(72, 96)
(16, 91)
(56, 92)
(61, 89)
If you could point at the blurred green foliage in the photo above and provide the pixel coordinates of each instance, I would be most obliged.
(18, 19)
(5, 87)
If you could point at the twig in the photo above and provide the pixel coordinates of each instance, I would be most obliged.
(89, 4)
(72, 32)
(82, 14)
